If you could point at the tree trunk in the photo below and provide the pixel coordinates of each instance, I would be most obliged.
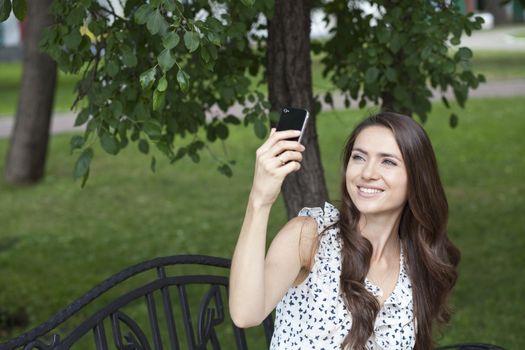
(290, 84)
(26, 157)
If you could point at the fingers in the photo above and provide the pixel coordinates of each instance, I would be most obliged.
(289, 156)
(277, 136)
(289, 168)
(283, 146)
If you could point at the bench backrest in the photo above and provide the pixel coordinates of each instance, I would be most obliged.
(159, 311)
(155, 309)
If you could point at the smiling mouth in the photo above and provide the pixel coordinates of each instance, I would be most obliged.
(368, 190)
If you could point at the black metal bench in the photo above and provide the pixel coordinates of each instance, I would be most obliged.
(131, 320)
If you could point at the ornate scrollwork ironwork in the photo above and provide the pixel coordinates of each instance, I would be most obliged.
(134, 340)
(40, 345)
(210, 316)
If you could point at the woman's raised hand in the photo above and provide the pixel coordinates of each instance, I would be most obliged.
(276, 158)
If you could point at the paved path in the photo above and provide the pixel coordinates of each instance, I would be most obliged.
(500, 39)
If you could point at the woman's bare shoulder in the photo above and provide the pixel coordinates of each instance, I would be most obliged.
(306, 227)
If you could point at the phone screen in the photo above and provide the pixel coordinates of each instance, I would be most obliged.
(293, 119)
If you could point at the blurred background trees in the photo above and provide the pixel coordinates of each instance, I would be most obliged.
(157, 73)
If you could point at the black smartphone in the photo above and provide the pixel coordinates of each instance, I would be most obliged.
(293, 119)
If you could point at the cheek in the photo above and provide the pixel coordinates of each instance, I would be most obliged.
(350, 176)
(400, 182)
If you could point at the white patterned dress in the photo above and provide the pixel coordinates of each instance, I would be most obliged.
(312, 315)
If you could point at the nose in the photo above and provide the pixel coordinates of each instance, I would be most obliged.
(369, 171)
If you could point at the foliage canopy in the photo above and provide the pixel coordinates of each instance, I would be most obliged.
(153, 72)
(398, 55)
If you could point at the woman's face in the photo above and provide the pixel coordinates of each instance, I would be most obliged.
(376, 177)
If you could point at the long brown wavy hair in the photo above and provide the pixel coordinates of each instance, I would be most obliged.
(430, 257)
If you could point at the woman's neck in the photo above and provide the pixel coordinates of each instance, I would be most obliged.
(382, 232)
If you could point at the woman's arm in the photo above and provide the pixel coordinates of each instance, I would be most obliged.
(257, 283)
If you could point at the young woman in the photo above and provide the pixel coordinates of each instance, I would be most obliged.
(373, 274)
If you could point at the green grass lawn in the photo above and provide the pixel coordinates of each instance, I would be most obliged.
(494, 64)
(10, 75)
(57, 240)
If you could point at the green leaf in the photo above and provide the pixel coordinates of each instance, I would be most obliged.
(156, 23)
(214, 38)
(274, 117)
(391, 74)
(97, 27)
(453, 121)
(76, 142)
(163, 84)
(225, 170)
(109, 144)
(231, 119)
(211, 134)
(371, 75)
(445, 101)
(116, 107)
(143, 146)
(156, 3)
(83, 163)
(461, 94)
(158, 99)
(5, 9)
(143, 13)
(227, 93)
(329, 99)
(184, 80)
(153, 165)
(148, 77)
(191, 40)
(383, 35)
(73, 39)
(75, 18)
(170, 5)
(180, 153)
(84, 179)
(465, 53)
(20, 9)
(395, 44)
(222, 131)
(205, 55)
(212, 50)
(248, 3)
(153, 129)
(166, 61)
(112, 68)
(170, 40)
(128, 57)
(481, 78)
(259, 128)
(82, 117)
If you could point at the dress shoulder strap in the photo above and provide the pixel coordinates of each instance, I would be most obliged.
(325, 217)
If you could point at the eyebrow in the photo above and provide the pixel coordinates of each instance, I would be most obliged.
(381, 154)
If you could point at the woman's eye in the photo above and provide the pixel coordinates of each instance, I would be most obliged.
(357, 157)
(389, 162)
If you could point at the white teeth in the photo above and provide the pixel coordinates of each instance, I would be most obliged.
(369, 190)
